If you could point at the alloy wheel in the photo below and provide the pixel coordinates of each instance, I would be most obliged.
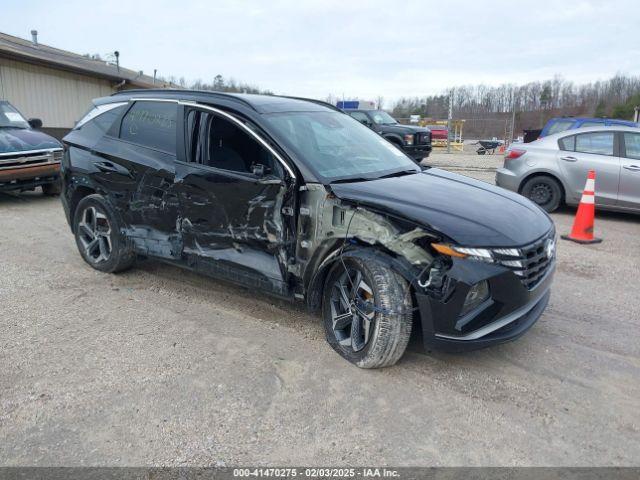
(94, 233)
(352, 310)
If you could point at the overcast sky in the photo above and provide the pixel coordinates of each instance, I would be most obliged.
(364, 49)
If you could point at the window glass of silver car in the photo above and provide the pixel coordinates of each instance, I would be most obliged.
(598, 143)
(632, 145)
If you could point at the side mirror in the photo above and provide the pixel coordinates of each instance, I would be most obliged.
(35, 123)
(258, 170)
(365, 122)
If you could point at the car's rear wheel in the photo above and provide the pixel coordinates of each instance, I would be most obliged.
(543, 190)
(367, 312)
(98, 236)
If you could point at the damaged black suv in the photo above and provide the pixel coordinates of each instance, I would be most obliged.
(296, 198)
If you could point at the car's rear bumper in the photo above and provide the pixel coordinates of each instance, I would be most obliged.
(508, 313)
(26, 177)
(505, 178)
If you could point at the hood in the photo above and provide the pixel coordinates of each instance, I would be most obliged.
(470, 212)
(14, 140)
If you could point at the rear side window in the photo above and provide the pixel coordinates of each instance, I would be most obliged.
(632, 145)
(599, 143)
(568, 143)
(151, 124)
(98, 121)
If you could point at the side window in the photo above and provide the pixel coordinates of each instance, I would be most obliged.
(568, 143)
(98, 121)
(151, 124)
(216, 142)
(599, 143)
(632, 145)
(361, 117)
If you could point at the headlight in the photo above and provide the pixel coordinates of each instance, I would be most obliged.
(483, 254)
(408, 139)
(477, 294)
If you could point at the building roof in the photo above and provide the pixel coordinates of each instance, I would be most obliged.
(25, 50)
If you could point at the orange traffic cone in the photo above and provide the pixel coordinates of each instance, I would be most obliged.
(582, 231)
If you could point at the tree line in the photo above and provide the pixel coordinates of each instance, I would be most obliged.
(488, 109)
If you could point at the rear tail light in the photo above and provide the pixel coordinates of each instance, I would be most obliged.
(514, 153)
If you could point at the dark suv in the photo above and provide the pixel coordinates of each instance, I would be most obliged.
(298, 199)
(412, 140)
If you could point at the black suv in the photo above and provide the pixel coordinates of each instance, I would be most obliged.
(296, 198)
(412, 140)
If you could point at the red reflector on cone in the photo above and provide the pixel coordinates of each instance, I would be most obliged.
(582, 231)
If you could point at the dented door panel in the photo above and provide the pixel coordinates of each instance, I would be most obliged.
(231, 218)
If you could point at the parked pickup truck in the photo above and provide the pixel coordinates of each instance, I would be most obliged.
(412, 140)
(28, 158)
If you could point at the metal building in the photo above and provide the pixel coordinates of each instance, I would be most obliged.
(57, 86)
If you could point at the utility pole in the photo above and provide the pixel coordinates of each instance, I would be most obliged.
(449, 117)
(513, 121)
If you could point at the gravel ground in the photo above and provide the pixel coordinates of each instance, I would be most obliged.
(158, 366)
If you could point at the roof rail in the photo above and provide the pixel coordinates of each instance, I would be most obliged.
(186, 92)
(313, 100)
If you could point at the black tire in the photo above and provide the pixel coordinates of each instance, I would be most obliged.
(545, 191)
(98, 236)
(388, 306)
(52, 188)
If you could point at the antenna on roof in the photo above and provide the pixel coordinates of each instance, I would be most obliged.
(34, 37)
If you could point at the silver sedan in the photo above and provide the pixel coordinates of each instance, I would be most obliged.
(553, 170)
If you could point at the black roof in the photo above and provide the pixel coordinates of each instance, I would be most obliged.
(259, 103)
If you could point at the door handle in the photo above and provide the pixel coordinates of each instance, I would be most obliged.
(113, 168)
(569, 159)
(106, 167)
(633, 168)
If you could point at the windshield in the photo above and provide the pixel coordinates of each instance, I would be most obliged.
(10, 117)
(383, 118)
(336, 146)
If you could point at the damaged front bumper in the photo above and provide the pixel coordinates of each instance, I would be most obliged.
(508, 312)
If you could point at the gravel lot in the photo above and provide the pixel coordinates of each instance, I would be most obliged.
(158, 366)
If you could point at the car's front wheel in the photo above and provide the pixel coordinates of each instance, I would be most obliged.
(543, 190)
(367, 311)
(98, 236)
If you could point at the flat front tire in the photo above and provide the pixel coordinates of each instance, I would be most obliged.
(98, 236)
(367, 312)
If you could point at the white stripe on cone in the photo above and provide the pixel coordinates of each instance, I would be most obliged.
(591, 185)
(588, 198)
